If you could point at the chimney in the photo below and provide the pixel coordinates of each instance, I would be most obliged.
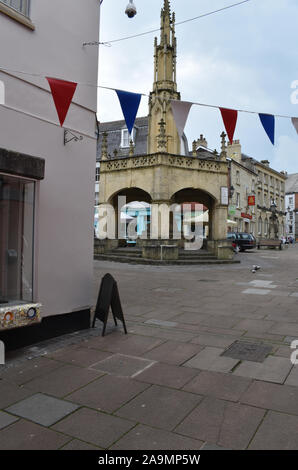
(202, 142)
(234, 151)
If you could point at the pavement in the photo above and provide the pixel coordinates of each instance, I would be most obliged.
(206, 364)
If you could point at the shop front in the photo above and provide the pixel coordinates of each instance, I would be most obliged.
(19, 177)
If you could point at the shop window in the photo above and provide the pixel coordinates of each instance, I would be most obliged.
(266, 227)
(260, 223)
(238, 177)
(97, 173)
(16, 239)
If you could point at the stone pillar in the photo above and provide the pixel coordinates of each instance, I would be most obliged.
(104, 146)
(221, 246)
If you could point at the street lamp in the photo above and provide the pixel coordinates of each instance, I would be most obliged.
(274, 218)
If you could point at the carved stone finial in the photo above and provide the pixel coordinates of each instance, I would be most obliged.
(162, 138)
(131, 148)
(223, 154)
(104, 146)
(194, 148)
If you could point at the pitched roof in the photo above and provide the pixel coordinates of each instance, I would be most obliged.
(292, 183)
(114, 128)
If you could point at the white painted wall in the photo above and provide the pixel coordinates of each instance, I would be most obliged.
(29, 124)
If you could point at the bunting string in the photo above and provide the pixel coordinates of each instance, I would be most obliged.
(63, 92)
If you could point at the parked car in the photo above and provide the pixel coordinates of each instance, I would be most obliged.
(242, 241)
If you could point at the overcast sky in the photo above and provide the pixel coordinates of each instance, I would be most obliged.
(243, 58)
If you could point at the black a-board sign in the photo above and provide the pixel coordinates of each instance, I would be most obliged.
(108, 296)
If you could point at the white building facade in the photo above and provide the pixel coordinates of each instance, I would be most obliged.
(46, 179)
(291, 216)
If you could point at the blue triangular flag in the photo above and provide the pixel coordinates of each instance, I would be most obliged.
(268, 122)
(130, 103)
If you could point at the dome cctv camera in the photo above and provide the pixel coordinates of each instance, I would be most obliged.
(131, 10)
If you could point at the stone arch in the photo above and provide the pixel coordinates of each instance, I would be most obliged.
(188, 197)
(124, 197)
(131, 194)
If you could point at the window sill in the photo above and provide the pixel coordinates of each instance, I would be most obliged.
(15, 15)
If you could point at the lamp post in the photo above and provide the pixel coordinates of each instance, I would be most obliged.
(274, 218)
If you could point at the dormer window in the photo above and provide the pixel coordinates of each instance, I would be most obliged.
(126, 137)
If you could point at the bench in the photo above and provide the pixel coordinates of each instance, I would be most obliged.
(273, 243)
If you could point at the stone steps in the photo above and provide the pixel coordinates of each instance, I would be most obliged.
(139, 260)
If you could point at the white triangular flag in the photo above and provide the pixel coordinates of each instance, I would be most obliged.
(295, 123)
(180, 112)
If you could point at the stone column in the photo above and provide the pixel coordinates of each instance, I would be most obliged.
(221, 246)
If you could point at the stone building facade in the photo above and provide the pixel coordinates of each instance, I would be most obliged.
(155, 166)
(46, 242)
(291, 203)
(256, 186)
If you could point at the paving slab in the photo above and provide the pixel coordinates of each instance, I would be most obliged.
(283, 351)
(254, 325)
(63, 381)
(218, 385)
(75, 444)
(211, 359)
(224, 423)
(168, 375)
(207, 339)
(108, 393)
(42, 409)
(191, 318)
(208, 446)
(273, 369)
(12, 393)
(137, 345)
(283, 328)
(80, 356)
(263, 283)
(278, 431)
(283, 398)
(147, 438)
(219, 321)
(253, 291)
(160, 406)
(173, 352)
(24, 435)
(153, 321)
(123, 365)
(162, 333)
(28, 370)
(6, 419)
(94, 427)
(292, 378)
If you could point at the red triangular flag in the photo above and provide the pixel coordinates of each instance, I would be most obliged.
(229, 117)
(295, 123)
(62, 93)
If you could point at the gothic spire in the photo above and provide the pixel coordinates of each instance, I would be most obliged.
(164, 86)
